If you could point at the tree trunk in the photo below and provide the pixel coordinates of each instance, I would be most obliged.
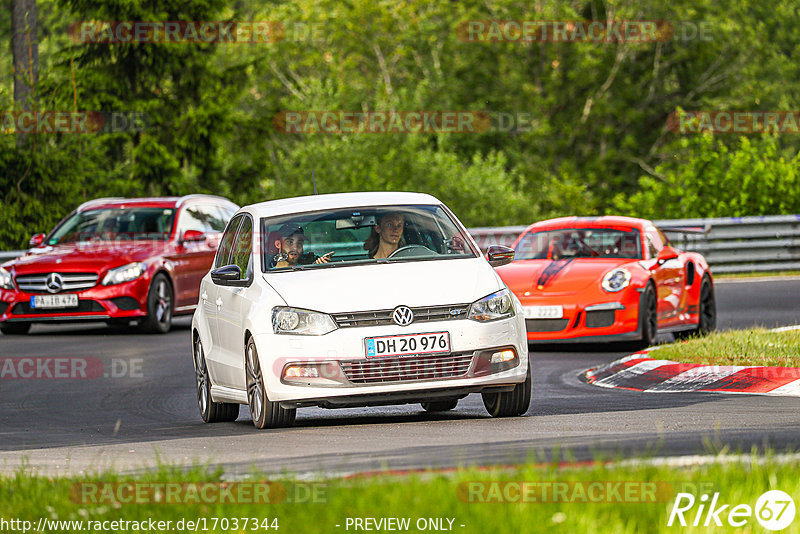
(25, 48)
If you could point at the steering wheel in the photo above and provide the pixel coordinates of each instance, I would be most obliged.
(409, 250)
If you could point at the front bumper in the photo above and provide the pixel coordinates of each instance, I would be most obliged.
(370, 381)
(602, 318)
(120, 301)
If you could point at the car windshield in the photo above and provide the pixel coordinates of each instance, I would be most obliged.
(351, 236)
(580, 243)
(114, 224)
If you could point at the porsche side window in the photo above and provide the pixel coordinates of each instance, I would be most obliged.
(654, 242)
(225, 246)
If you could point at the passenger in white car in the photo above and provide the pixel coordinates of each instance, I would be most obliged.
(287, 246)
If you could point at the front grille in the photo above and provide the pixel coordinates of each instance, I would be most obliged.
(3, 306)
(384, 317)
(545, 325)
(37, 283)
(410, 368)
(599, 319)
(24, 308)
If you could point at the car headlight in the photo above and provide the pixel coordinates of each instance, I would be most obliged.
(301, 322)
(616, 280)
(496, 306)
(126, 273)
(6, 282)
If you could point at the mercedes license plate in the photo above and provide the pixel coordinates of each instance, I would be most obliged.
(54, 301)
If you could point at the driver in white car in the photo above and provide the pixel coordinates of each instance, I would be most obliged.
(386, 236)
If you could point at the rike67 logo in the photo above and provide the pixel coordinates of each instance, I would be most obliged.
(774, 510)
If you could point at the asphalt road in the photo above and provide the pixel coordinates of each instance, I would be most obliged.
(140, 409)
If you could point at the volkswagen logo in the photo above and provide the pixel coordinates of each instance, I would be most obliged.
(54, 282)
(402, 315)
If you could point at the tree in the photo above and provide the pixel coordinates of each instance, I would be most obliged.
(25, 48)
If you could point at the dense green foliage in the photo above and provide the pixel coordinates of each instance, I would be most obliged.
(594, 140)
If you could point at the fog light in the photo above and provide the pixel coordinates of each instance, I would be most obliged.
(301, 371)
(323, 374)
(503, 356)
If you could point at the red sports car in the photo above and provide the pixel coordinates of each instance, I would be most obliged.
(116, 260)
(608, 279)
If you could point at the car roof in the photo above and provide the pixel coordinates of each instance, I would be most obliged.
(605, 221)
(286, 206)
(149, 202)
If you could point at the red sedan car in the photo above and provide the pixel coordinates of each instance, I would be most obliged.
(608, 279)
(116, 260)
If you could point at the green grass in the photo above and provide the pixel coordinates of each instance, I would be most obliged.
(756, 346)
(431, 495)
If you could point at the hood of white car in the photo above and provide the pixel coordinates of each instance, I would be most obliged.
(386, 286)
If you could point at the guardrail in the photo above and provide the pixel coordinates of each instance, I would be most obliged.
(731, 245)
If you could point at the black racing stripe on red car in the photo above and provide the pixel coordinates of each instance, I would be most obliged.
(552, 270)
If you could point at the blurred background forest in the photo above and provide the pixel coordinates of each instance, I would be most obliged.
(597, 142)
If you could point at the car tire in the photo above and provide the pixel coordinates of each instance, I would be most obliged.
(439, 406)
(648, 318)
(210, 411)
(160, 300)
(15, 329)
(707, 309)
(510, 403)
(265, 413)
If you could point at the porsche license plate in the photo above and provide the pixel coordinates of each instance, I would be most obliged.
(54, 301)
(408, 345)
(544, 312)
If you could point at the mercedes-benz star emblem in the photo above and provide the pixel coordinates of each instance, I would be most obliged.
(402, 315)
(54, 282)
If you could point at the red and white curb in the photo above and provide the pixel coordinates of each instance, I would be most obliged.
(639, 372)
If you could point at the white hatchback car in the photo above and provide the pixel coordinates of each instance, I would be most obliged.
(355, 299)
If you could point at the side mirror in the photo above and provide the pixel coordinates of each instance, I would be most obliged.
(667, 253)
(36, 240)
(192, 236)
(499, 255)
(227, 274)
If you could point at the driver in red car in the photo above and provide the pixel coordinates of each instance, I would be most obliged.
(386, 236)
